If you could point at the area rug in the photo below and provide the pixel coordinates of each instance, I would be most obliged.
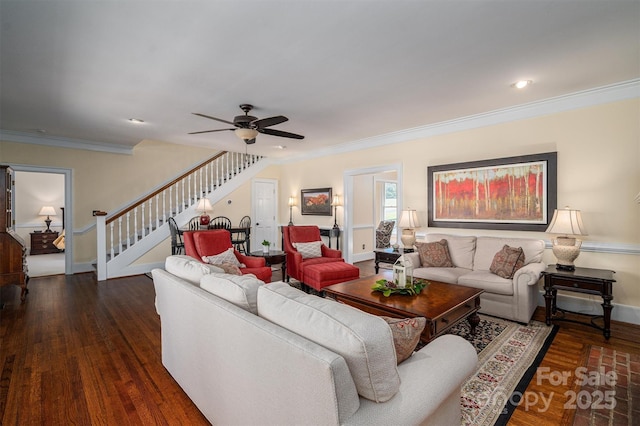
(508, 356)
(604, 397)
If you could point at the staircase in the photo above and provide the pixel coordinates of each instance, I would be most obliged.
(124, 236)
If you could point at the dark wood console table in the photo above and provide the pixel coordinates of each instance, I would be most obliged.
(331, 233)
(389, 255)
(582, 280)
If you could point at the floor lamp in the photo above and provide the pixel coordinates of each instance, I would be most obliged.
(335, 203)
(292, 202)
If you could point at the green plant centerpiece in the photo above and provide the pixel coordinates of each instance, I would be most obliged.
(265, 246)
(389, 287)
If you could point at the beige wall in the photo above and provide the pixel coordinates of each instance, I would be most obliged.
(598, 172)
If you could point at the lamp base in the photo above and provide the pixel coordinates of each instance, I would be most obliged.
(561, 267)
(48, 222)
(408, 237)
(205, 219)
(566, 250)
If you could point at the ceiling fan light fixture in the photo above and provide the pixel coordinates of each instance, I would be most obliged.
(521, 84)
(246, 134)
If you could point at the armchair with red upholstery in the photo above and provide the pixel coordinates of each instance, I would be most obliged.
(212, 242)
(295, 262)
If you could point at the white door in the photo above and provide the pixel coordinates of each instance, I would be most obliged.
(264, 207)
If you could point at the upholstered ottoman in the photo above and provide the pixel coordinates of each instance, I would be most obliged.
(320, 275)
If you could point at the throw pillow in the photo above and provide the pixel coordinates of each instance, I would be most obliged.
(227, 256)
(228, 268)
(188, 268)
(406, 334)
(507, 261)
(309, 250)
(362, 339)
(241, 291)
(435, 254)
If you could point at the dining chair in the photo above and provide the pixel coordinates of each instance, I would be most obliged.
(240, 235)
(177, 245)
(220, 222)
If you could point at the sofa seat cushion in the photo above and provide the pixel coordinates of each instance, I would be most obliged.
(363, 340)
(241, 290)
(321, 275)
(445, 275)
(461, 248)
(189, 269)
(489, 282)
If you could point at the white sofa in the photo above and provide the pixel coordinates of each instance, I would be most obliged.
(514, 299)
(240, 368)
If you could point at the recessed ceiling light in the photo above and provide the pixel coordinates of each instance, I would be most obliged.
(136, 121)
(280, 147)
(521, 84)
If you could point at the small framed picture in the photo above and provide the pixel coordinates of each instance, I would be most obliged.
(316, 202)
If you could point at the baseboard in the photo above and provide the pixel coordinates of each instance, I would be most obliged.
(592, 306)
(79, 268)
(361, 257)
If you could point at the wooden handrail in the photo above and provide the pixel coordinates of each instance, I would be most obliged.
(156, 192)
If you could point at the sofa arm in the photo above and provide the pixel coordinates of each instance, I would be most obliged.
(251, 261)
(430, 383)
(529, 274)
(414, 258)
(328, 252)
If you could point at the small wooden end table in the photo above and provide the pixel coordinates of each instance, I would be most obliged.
(581, 280)
(274, 257)
(443, 305)
(389, 255)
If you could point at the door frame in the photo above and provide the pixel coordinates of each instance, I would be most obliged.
(348, 177)
(68, 204)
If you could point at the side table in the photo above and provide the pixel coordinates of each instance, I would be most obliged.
(274, 257)
(582, 280)
(389, 255)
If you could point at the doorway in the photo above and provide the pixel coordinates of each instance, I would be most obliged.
(66, 218)
(264, 208)
(350, 178)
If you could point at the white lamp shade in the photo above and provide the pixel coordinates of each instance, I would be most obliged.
(336, 201)
(409, 219)
(567, 222)
(47, 211)
(204, 205)
(292, 201)
(246, 134)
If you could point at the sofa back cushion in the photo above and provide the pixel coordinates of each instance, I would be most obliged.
(487, 247)
(363, 340)
(189, 269)
(461, 248)
(241, 290)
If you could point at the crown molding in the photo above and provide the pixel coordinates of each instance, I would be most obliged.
(601, 95)
(60, 142)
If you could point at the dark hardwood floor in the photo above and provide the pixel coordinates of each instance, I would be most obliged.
(84, 352)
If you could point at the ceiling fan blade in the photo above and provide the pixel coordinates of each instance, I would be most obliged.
(280, 133)
(209, 131)
(213, 118)
(268, 122)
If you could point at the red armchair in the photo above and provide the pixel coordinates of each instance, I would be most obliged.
(209, 243)
(295, 262)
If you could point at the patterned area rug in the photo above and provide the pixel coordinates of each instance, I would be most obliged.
(610, 389)
(508, 355)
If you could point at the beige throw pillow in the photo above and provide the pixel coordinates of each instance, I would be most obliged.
(507, 261)
(435, 254)
(227, 256)
(406, 334)
(309, 250)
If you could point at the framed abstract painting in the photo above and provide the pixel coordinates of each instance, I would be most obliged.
(514, 193)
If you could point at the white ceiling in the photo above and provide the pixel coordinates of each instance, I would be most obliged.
(341, 71)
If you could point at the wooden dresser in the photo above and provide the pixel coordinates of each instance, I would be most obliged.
(42, 243)
(13, 252)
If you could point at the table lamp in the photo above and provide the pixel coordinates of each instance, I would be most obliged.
(47, 211)
(292, 202)
(204, 205)
(566, 248)
(408, 221)
(335, 203)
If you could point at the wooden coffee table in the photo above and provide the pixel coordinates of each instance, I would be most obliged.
(443, 305)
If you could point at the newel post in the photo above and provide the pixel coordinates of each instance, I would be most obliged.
(101, 241)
